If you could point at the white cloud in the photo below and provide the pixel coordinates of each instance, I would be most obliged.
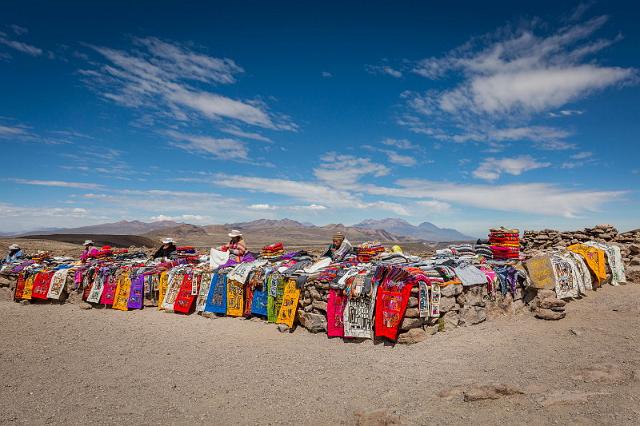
(9, 132)
(190, 218)
(326, 74)
(400, 144)
(491, 168)
(434, 206)
(262, 207)
(18, 30)
(236, 131)
(565, 113)
(15, 218)
(385, 70)
(219, 148)
(168, 78)
(578, 160)
(510, 78)
(58, 183)
(340, 170)
(401, 160)
(19, 45)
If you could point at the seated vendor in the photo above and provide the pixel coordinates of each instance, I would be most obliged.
(89, 250)
(237, 246)
(339, 248)
(166, 250)
(15, 254)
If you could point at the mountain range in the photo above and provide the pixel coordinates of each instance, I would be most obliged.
(425, 231)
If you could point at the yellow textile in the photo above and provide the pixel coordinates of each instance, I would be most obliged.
(235, 301)
(594, 258)
(287, 314)
(28, 287)
(121, 297)
(541, 272)
(162, 288)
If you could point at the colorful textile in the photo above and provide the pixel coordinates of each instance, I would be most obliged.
(109, 290)
(289, 307)
(121, 299)
(614, 259)
(41, 285)
(235, 305)
(274, 298)
(17, 295)
(248, 300)
(566, 285)
(28, 287)
(423, 299)
(584, 272)
(470, 275)
(162, 288)
(434, 300)
(358, 316)
(336, 303)
(259, 302)
(175, 282)
(391, 305)
(96, 289)
(205, 283)
(540, 272)
(594, 258)
(185, 298)
(217, 296)
(136, 293)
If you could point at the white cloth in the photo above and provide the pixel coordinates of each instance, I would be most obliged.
(217, 258)
(317, 266)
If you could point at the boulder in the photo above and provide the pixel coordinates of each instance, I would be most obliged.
(474, 296)
(412, 313)
(413, 302)
(548, 314)
(409, 323)
(470, 315)
(319, 305)
(450, 290)
(415, 335)
(314, 323)
(315, 294)
(448, 304)
(450, 320)
(552, 303)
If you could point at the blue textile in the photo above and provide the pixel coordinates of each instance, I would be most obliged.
(217, 297)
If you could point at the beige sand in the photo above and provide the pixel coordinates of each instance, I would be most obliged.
(61, 364)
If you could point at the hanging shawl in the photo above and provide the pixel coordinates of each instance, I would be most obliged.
(17, 295)
(614, 259)
(469, 274)
(566, 285)
(185, 299)
(217, 296)
(434, 300)
(163, 285)
(96, 289)
(121, 299)
(274, 298)
(540, 272)
(583, 270)
(57, 284)
(259, 302)
(391, 304)
(358, 315)
(109, 291)
(506, 278)
(335, 310)
(205, 283)
(28, 287)
(423, 299)
(594, 258)
(136, 294)
(41, 285)
(235, 301)
(175, 282)
(289, 307)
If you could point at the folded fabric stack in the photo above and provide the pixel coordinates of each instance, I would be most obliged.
(505, 243)
(366, 251)
(484, 250)
(272, 251)
(186, 251)
(462, 250)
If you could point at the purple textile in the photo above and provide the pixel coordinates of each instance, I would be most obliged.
(246, 258)
(137, 292)
(18, 268)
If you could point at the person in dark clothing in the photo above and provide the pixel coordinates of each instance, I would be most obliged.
(166, 250)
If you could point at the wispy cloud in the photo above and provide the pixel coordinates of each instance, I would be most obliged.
(491, 168)
(175, 81)
(400, 144)
(578, 160)
(339, 170)
(58, 183)
(17, 45)
(384, 70)
(326, 74)
(219, 148)
(11, 132)
(508, 80)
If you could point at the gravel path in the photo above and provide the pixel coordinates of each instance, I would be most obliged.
(66, 365)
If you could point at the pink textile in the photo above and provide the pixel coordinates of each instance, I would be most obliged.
(335, 310)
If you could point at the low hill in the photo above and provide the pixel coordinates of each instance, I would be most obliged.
(99, 239)
(123, 227)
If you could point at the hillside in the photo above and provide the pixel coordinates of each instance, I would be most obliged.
(123, 227)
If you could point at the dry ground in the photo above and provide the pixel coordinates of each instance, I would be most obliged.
(66, 365)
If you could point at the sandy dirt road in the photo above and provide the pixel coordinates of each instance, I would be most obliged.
(61, 364)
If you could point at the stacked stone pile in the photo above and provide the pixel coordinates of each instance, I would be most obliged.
(533, 242)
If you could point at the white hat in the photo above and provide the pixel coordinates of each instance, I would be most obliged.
(14, 247)
(235, 233)
(168, 241)
(87, 242)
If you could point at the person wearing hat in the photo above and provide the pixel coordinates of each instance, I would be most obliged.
(89, 250)
(339, 248)
(15, 254)
(166, 250)
(237, 246)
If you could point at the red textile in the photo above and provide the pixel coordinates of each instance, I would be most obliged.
(41, 285)
(391, 304)
(109, 290)
(248, 300)
(19, 287)
(185, 300)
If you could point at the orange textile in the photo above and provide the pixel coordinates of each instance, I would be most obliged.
(594, 258)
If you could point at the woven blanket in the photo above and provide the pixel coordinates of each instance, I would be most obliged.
(121, 298)
(540, 272)
(217, 296)
(235, 301)
(109, 290)
(289, 307)
(336, 303)
(358, 316)
(185, 298)
(391, 304)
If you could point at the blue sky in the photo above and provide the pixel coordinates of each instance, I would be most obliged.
(466, 116)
